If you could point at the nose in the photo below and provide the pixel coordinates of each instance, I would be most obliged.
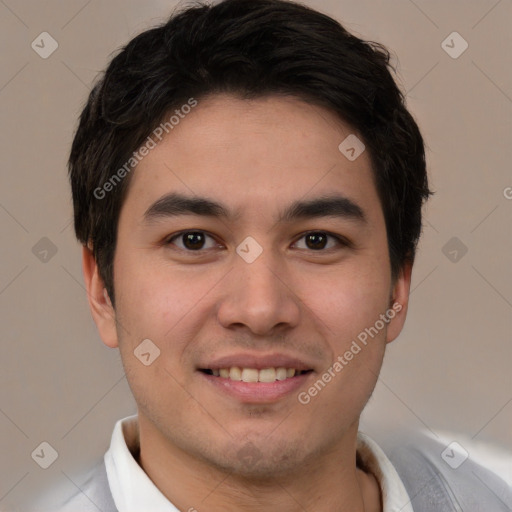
(259, 296)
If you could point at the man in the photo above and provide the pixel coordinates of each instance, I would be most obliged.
(247, 186)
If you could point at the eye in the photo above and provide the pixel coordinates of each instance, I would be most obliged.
(191, 240)
(318, 240)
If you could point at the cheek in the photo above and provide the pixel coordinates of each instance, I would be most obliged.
(349, 305)
(349, 301)
(155, 302)
(158, 300)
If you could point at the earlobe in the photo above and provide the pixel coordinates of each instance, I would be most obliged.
(399, 303)
(100, 304)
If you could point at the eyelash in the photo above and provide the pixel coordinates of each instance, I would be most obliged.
(341, 241)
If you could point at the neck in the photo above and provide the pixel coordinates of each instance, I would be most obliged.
(330, 483)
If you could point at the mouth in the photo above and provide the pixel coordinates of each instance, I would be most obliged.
(267, 385)
(256, 378)
(269, 375)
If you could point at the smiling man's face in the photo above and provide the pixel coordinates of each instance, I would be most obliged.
(197, 286)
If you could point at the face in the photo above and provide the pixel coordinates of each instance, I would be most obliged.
(248, 241)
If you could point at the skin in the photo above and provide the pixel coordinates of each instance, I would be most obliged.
(255, 157)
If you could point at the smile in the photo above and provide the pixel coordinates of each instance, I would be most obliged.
(253, 386)
(254, 375)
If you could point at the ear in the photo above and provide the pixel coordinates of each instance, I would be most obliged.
(399, 302)
(102, 310)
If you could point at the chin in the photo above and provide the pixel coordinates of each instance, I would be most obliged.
(261, 461)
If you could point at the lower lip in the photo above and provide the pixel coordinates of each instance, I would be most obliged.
(257, 392)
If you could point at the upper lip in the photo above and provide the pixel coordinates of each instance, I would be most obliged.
(258, 362)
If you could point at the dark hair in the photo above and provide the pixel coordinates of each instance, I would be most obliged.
(250, 48)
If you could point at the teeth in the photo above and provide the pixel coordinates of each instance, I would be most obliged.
(281, 373)
(267, 375)
(254, 375)
(235, 373)
(249, 375)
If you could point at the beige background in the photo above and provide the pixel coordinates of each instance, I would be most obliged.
(448, 373)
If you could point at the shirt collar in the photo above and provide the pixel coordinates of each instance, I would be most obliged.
(134, 491)
(375, 461)
(131, 487)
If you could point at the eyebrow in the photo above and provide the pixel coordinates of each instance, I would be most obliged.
(174, 204)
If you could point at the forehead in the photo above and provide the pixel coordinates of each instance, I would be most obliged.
(252, 153)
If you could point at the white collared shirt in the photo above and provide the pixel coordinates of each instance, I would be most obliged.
(134, 491)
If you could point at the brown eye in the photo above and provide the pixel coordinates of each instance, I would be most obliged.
(319, 240)
(316, 240)
(191, 240)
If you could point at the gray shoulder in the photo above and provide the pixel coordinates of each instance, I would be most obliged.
(445, 478)
(93, 495)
